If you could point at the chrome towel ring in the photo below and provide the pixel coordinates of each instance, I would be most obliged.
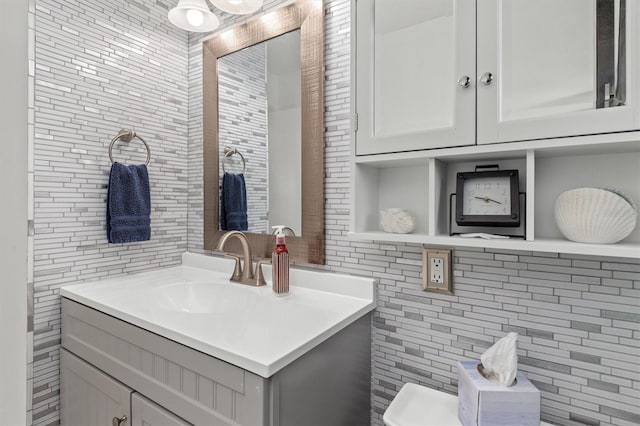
(228, 152)
(126, 135)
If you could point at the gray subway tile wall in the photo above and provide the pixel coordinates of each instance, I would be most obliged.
(99, 67)
(121, 64)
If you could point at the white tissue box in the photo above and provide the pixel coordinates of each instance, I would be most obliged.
(483, 403)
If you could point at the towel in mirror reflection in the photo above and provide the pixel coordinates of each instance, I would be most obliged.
(233, 203)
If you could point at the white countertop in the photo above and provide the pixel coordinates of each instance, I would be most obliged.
(195, 304)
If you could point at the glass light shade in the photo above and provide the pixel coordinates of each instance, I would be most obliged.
(238, 7)
(193, 15)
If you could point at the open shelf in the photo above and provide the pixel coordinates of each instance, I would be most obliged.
(548, 245)
(554, 175)
(406, 187)
(422, 181)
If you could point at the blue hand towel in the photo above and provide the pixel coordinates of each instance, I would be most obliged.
(128, 204)
(233, 203)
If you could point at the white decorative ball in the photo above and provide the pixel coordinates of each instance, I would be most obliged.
(594, 215)
(396, 220)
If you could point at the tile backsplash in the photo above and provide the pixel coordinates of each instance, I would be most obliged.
(578, 321)
(100, 66)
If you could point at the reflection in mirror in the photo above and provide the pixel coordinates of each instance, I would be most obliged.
(284, 154)
(259, 133)
(584, 57)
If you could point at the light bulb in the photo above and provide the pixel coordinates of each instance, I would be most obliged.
(238, 7)
(195, 17)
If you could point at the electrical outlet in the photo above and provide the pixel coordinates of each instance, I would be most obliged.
(436, 270)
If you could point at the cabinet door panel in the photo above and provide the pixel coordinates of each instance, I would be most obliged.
(146, 413)
(88, 396)
(559, 68)
(410, 55)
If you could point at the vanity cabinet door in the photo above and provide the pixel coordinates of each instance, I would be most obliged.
(549, 68)
(415, 74)
(89, 397)
(147, 413)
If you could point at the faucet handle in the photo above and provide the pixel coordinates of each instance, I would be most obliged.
(259, 275)
(237, 270)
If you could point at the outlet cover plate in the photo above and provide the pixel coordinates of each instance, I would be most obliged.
(431, 256)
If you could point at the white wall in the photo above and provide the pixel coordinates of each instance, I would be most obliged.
(285, 130)
(285, 169)
(13, 212)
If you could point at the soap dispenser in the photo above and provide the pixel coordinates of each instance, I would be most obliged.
(280, 263)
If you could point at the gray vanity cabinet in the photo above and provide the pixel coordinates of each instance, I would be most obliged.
(146, 413)
(88, 396)
(111, 358)
(199, 388)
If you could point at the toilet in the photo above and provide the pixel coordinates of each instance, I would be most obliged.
(417, 405)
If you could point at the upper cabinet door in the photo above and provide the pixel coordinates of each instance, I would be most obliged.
(549, 68)
(415, 74)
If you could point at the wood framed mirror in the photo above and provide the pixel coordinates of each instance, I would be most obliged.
(307, 17)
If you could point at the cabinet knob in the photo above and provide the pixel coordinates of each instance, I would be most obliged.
(464, 81)
(118, 421)
(486, 78)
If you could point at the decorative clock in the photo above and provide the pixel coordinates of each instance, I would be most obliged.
(488, 198)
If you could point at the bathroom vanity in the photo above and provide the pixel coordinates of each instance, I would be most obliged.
(185, 346)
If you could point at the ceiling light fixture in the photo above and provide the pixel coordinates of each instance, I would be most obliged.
(238, 7)
(194, 15)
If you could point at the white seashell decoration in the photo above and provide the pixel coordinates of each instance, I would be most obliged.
(396, 220)
(594, 215)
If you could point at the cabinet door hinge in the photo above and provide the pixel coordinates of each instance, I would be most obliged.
(355, 122)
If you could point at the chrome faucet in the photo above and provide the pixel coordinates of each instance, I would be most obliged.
(243, 274)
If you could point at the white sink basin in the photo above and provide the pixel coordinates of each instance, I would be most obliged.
(199, 297)
(195, 304)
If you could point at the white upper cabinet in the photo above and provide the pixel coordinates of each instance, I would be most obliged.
(555, 94)
(545, 69)
(549, 68)
(415, 74)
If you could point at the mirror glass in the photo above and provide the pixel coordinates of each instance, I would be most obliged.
(584, 57)
(263, 101)
(259, 134)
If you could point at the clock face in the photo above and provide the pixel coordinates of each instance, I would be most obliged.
(488, 196)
